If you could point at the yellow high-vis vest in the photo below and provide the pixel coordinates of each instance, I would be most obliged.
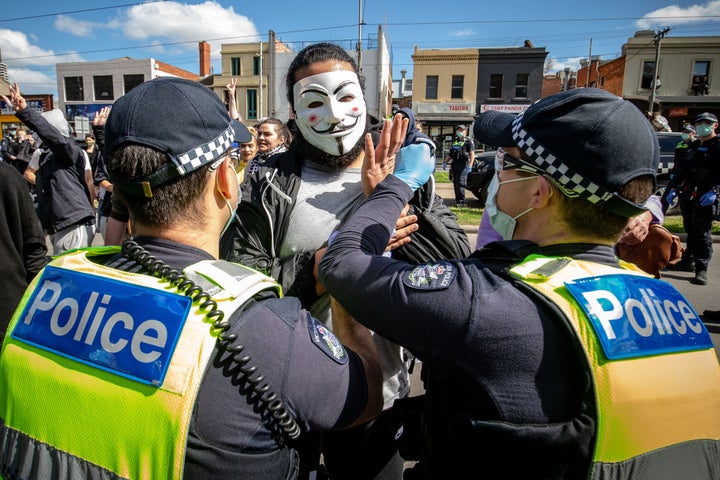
(100, 368)
(655, 373)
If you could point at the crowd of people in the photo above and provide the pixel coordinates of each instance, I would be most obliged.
(265, 292)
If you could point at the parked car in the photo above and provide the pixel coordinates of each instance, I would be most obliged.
(484, 167)
(479, 177)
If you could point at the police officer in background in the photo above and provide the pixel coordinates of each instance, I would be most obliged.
(697, 188)
(461, 157)
(687, 136)
(157, 361)
(544, 356)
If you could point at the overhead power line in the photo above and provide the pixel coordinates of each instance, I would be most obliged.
(69, 12)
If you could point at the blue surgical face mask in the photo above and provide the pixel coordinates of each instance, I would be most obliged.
(503, 223)
(685, 136)
(460, 134)
(704, 130)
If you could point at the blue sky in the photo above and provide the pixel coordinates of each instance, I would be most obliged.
(34, 36)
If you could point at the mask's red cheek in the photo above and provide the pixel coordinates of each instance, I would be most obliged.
(313, 118)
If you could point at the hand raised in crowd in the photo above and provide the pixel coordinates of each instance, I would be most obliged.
(232, 108)
(16, 101)
(101, 117)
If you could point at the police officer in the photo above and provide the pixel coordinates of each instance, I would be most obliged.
(157, 360)
(697, 189)
(679, 163)
(545, 357)
(461, 157)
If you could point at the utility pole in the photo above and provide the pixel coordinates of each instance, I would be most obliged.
(658, 36)
(587, 78)
(260, 90)
(359, 42)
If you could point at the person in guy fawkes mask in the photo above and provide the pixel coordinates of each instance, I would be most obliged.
(291, 205)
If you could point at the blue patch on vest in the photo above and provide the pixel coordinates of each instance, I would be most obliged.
(326, 340)
(124, 329)
(431, 276)
(636, 316)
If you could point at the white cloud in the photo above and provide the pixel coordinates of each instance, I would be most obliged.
(465, 32)
(675, 15)
(75, 27)
(17, 51)
(33, 81)
(188, 23)
(573, 63)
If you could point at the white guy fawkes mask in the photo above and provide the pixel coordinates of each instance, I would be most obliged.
(330, 110)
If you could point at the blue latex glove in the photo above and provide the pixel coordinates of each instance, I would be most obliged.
(414, 164)
(708, 199)
(464, 175)
(671, 196)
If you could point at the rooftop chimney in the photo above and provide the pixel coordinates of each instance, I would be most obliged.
(204, 59)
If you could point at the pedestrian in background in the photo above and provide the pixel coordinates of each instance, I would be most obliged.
(543, 356)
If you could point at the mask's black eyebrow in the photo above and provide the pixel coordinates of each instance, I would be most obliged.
(342, 85)
(313, 90)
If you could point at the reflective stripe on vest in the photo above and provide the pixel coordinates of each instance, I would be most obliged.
(75, 415)
(646, 402)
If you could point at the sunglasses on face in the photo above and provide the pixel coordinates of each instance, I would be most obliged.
(504, 161)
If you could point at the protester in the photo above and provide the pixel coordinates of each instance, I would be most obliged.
(544, 357)
(180, 366)
(273, 137)
(22, 242)
(62, 177)
(294, 201)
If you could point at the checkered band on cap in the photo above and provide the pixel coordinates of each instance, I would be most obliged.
(571, 183)
(203, 154)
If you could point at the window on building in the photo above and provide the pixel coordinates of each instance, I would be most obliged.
(408, 84)
(256, 65)
(458, 82)
(521, 85)
(103, 87)
(235, 66)
(252, 107)
(648, 73)
(701, 68)
(496, 86)
(132, 81)
(602, 81)
(74, 89)
(431, 87)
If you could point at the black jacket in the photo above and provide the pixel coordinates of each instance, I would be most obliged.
(63, 195)
(263, 216)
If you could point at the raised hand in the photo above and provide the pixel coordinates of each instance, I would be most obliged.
(101, 117)
(379, 161)
(16, 101)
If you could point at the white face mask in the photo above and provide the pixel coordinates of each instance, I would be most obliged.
(330, 110)
(503, 223)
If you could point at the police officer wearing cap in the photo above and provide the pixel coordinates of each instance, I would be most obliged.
(158, 361)
(544, 356)
(461, 157)
(687, 135)
(696, 185)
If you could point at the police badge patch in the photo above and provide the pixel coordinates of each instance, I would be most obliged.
(326, 341)
(431, 276)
